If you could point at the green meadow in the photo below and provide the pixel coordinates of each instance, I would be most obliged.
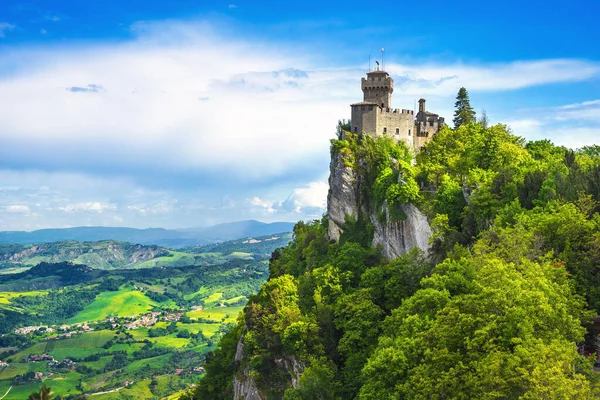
(230, 314)
(103, 359)
(124, 302)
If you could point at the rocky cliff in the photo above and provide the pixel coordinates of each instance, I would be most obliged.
(346, 199)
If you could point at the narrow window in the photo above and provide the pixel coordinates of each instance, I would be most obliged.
(371, 108)
(397, 131)
(409, 132)
(362, 108)
(355, 129)
(384, 130)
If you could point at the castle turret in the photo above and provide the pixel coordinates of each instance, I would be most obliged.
(422, 105)
(378, 88)
(374, 116)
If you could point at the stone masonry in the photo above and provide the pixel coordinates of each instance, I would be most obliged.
(375, 116)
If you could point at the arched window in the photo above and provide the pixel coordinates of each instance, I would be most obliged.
(355, 129)
(398, 131)
(384, 130)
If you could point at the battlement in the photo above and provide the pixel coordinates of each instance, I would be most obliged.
(375, 84)
(376, 117)
(398, 111)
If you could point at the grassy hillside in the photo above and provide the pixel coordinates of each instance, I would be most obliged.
(142, 331)
(122, 303)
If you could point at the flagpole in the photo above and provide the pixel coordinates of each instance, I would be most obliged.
(382, 60)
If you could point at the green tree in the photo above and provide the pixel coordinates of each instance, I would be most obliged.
(464, 113)
(45, 393)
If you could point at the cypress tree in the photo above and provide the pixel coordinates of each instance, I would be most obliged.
(464, 113)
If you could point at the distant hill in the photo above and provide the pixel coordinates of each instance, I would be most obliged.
(153, 236)
(106, 254)
(112, 254)
(240, 229)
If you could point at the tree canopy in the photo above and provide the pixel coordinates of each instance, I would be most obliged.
(464, 113)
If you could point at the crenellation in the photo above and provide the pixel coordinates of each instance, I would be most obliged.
(376, 117)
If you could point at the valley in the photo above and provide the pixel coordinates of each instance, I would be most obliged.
(135, 332)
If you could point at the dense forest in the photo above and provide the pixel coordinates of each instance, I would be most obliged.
(501, 306)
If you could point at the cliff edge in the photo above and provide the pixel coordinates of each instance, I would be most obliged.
(349, 199)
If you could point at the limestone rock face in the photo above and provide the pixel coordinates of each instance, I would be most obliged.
(397, 238)
(244, 387)
(344, 199)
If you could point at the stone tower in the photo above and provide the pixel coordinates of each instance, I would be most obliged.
(375, 116)
(378, 88)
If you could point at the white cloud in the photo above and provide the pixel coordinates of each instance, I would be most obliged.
(4, 27)
(307, 201)
(232, 6)
(571, 125)
(264, 112)
(445, 80)
(312, 197)
(17, 209)
(263, 205)
(188, 108)
(89, 206)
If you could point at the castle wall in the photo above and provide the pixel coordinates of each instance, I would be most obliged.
(371, 118)
(398, 123)
(364, 118)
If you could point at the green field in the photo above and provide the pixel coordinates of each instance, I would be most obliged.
(217, 313)
(86, 340)
(5, 297)
(64, 384)
(124, 302)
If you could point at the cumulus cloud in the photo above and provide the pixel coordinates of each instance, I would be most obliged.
(199, 126)
(309, 201)
(571, 125)
(88, 206)
(313, 197)
(198, 101)
(16, 209)
(446, 79)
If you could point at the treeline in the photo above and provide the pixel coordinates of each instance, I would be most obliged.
(497, 310)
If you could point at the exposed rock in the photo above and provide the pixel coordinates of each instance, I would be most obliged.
(244, 386)
(294, 368)
(395, 238)
(342, 199)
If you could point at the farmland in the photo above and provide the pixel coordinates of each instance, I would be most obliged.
(122, 303)
(141, 332)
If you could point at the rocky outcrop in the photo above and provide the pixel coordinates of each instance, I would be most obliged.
(245, 387)
(397, 238)
(344, 201)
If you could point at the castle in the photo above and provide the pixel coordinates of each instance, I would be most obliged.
(375, 116)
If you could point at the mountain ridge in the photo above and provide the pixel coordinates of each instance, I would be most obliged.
(173, 238)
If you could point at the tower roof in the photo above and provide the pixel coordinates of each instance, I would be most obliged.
(377, 72)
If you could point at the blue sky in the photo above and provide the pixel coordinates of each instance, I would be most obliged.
(188, 113)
